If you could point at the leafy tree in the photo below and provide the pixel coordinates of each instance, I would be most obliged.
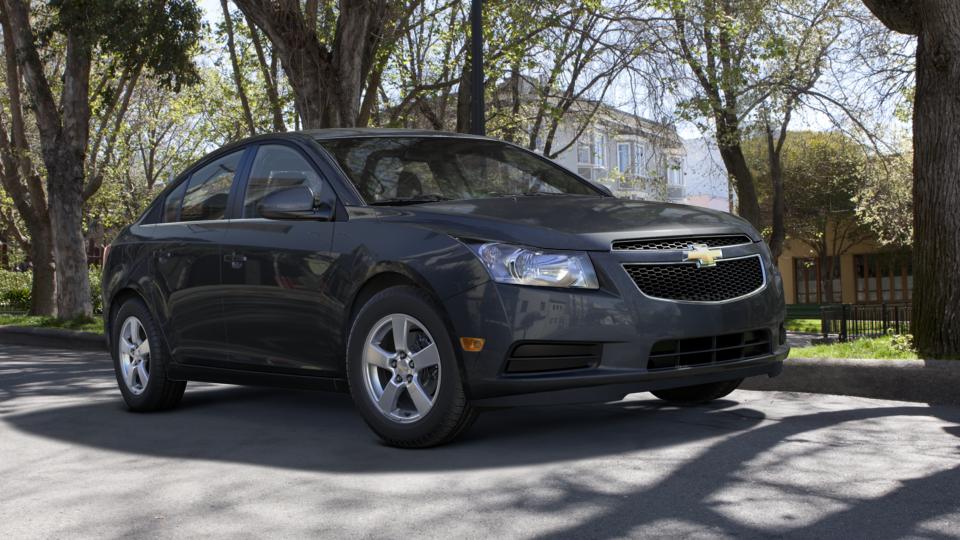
(885, 202)
(159, 36)
(936, 167)
(329, 51)
(823, 173)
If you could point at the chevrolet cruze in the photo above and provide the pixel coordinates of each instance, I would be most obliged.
(431, 275)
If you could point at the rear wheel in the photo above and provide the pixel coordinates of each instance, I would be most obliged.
(140, 359)
(403, 373)
(701, 393)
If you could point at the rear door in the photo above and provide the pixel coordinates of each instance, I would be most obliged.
(275, 273)
(186, 261)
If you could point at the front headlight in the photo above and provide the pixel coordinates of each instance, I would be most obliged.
(521, 265)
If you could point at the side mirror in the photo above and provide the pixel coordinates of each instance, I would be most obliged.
(297, 202)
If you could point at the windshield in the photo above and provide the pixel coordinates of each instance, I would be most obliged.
(405, 170)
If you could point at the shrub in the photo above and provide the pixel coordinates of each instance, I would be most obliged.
(15, 290)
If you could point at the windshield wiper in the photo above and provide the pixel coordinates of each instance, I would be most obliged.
(416, 199)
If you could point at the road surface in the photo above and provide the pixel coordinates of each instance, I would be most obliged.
(249, 462)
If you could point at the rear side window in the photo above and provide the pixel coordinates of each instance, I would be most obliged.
(209, 189)
(171, 207)
(276, 168)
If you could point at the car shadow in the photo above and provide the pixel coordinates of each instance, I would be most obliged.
(314, 431)
(322, 431)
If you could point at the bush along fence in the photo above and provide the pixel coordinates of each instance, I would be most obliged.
(850, 321)
(15, 291)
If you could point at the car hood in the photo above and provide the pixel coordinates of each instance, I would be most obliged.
(563, 222)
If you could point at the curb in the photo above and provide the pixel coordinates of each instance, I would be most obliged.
(927, 381)
(52, 337)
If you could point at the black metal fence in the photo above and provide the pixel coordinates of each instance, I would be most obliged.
(848, 321)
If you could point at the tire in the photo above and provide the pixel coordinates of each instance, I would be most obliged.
(701, 393)
(156, 392)
(384, 384)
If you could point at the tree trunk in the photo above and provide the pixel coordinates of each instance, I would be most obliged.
(327, 80)
(237, 72)
(464, 97)
(43, 295)
(65, 186)
(936, 191)
(269, 78)
(736, 164)
(778, 235)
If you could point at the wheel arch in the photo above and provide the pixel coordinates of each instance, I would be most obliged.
(395, 276)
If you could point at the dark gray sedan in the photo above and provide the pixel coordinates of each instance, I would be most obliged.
(431, 275)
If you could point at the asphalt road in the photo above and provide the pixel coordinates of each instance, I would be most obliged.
(244, 462)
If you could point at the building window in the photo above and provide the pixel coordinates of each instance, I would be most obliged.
(639, 159)
(600, 149)
(812, 285)
(623, 157)
(883, 277)
(674, 174)
(583, 152)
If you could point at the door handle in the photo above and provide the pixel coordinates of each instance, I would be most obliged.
(236, 260)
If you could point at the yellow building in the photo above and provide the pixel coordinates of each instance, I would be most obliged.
(866, 273)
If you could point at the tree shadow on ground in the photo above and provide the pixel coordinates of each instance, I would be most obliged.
(321, 432)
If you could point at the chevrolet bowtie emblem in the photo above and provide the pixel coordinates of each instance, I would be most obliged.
(702, 255)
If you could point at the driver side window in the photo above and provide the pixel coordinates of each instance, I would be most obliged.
(276, 168)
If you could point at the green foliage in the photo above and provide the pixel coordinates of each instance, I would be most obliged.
(885, 348)
(807, 326)
(83, 324)
(162, 36)
(15, 290)
(885, 201)
(822, 173)
(902, 343)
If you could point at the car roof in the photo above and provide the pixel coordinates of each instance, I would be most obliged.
(339, 133)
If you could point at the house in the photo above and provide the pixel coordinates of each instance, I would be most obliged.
(636, 158)
(864, 273)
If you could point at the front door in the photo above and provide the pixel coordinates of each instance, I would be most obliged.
(186, 259)
(275, 272)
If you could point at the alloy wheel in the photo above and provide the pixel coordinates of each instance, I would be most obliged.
(401, 368)
(134, 352)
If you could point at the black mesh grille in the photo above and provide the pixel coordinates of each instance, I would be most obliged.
(728, 279)
(680, 243)
(675, 353)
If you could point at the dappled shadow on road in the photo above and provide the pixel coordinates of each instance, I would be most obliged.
(27, 372)
(742, 459)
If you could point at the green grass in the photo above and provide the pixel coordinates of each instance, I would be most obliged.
(94, 324)
(809, 326)
(881, 348)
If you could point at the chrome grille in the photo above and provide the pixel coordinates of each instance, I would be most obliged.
(729, 279)
(676, 243)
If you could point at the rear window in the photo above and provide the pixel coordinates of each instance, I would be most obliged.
(209, 189)
(171, 207)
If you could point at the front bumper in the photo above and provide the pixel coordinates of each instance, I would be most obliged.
(623, 321)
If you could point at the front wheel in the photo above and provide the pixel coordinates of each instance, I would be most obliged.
(403, 373)
(701, 393)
